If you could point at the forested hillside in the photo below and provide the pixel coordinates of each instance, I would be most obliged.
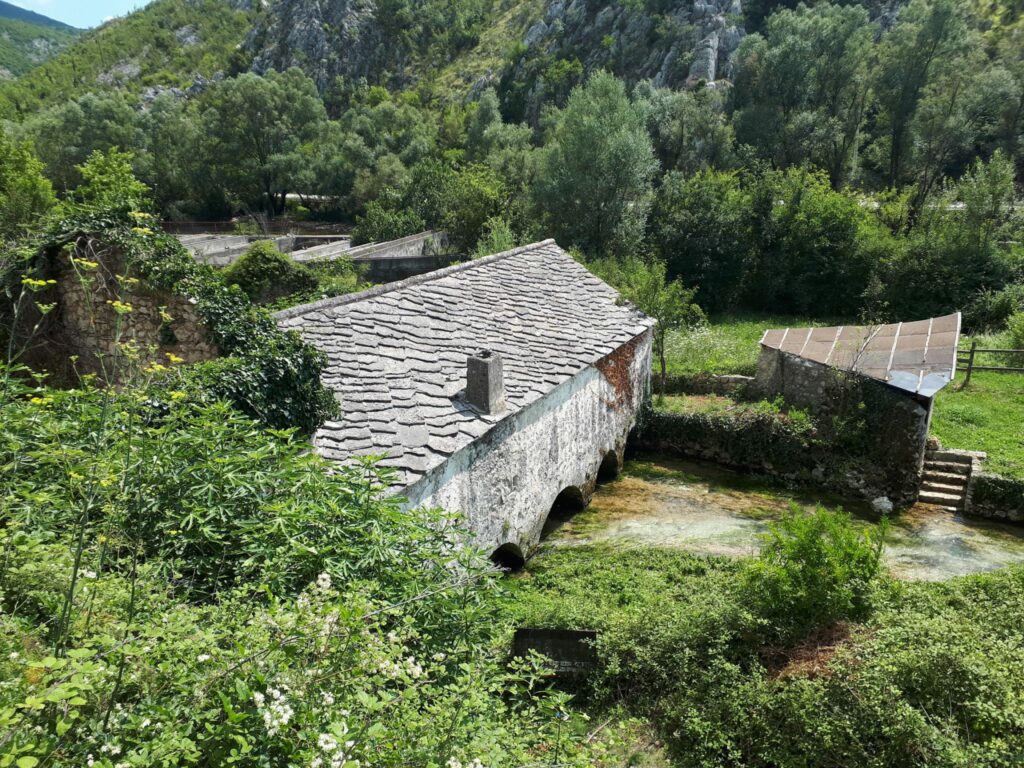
(852, 159)
(28, 39)
(168, 44)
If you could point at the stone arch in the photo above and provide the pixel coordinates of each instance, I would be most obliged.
(609, 468)
(567, 503)
(508, 557)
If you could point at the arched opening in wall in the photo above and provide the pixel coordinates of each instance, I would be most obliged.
(609, 468)
(567, 504)
(508, 557)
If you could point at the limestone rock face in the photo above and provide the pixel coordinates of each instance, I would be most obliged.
(686, 43)
(326, 39)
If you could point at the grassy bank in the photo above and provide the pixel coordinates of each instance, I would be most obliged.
(987, 416)
(914, 675)
(729, 343)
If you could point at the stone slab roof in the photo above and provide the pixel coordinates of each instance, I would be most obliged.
(918, 357)
(397, 353)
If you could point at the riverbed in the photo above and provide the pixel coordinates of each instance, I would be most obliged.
(707, 509)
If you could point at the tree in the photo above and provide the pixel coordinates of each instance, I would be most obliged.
(669, 302)
(689, 129)
(802, 87)
(254, 128)
(109, 184)
(593, 186)
(700, 228)
(928, 41)
(67, 134)
(25, 194)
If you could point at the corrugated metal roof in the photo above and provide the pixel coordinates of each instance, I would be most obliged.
(918, 357)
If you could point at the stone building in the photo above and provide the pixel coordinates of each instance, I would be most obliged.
(500, 388)
(894, 371)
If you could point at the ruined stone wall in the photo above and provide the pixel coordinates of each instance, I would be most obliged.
(994, 496)
(897, 422)
(86, 324)
(506, 482)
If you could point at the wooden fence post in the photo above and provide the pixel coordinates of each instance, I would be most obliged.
(970, 365)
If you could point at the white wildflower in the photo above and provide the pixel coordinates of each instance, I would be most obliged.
(323, 581)
(258, 698)
(89, 761)
(327, 742)
(86, 574)
(277, 714)
(14, 656)
(453, 763)
(203, 657)
(145, 723)
(328, 698)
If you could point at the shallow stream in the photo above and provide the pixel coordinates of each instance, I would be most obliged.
(703, 508)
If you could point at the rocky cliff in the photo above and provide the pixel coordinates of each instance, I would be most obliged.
(672, 42)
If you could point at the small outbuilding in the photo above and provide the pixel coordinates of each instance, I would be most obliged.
(501, 388)
(897, 368)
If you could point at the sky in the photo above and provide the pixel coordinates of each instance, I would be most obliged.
(80, 13)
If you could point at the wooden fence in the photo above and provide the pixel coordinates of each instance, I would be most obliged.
(967, 361)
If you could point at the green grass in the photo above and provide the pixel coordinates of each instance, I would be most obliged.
(729, 343)
(987, 416)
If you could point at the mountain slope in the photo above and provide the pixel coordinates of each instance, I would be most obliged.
(28, 39)
(170, 43)
(8, 11)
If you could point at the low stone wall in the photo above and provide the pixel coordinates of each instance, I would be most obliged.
(222, 251)
(706, 384)
(765, 444)
(86, 324)
(995, 497)
(895, 423)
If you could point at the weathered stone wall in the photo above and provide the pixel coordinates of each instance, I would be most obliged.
(994, 496)
(86, 324)
(506, 482)
(897, 422)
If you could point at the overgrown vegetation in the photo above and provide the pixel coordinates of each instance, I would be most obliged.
(803, 655)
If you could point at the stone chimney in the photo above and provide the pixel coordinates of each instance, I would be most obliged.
(485, 384)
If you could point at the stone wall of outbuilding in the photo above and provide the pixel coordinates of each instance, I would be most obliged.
(897, 422)
(505, 483)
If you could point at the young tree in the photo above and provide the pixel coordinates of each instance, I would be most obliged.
(25, 194)
(669, 302)
(593, 184)
(928, 41)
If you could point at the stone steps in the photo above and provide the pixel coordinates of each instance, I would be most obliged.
(955, 490)
(948, 467)
(949, 457)
(951, 478)
(949, 501)
(944, 479)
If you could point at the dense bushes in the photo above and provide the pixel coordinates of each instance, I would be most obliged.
(180, 586)
(800, 656)
(265, 274)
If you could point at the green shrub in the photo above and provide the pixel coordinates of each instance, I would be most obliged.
(385, 219)
(265, 274)
(814, 569)
(1015, 327)
(201, 591)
